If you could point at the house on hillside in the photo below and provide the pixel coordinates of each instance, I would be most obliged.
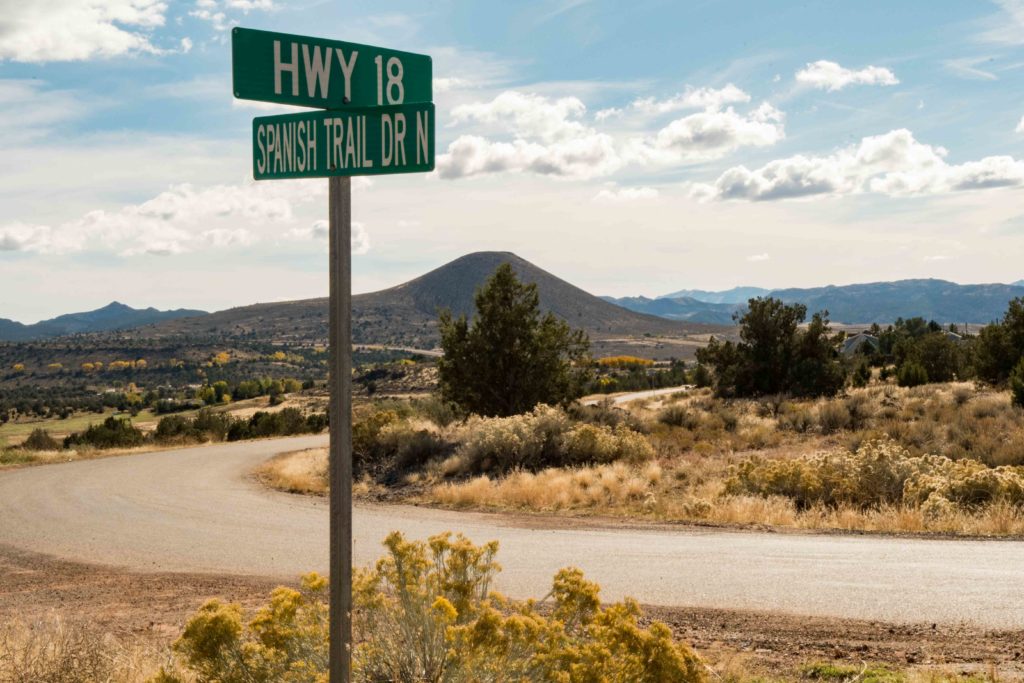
(857, 342)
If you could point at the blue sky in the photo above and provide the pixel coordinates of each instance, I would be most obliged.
(632, 148)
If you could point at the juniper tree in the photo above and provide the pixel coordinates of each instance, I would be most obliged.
(510, 357)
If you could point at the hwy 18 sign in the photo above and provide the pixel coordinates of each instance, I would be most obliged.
(356, 141)
(327, 74)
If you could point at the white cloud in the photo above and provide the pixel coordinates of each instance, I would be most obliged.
(709, 135)
(443, 85)
(173, 222)
(217, 12)
(758, 258)
(186, 45)
(609, 113)
(75, 30)
(586, 157)
(30, 110)
(618, 195)
(967, 67)
(528, 115)
(319, 231)
(826, 75)
(1007, 26)
(893, 164)
(548, 138)
(1020, 126)
(693, 98)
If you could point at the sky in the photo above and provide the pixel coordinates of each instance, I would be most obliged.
(631, 148)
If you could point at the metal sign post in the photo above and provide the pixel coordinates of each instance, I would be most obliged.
(340, 382)
(374, 117)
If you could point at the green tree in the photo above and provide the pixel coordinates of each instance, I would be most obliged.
(510, 357)
(911, 374)
(774, 356)
(1017, 384)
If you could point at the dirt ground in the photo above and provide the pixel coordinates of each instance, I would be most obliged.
(155, 606)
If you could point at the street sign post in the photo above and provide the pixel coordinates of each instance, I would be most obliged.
(328, 74)
(359, 141)
(374, 117)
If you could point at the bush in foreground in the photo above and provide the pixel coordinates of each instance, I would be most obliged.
(426, 612)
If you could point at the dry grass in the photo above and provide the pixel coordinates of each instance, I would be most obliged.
(59, 651)
(296, 472)
(604, 487)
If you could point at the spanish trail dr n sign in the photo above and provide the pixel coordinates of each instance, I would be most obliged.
(375, 116)
(355, 141)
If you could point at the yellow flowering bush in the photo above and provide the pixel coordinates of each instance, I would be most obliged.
(426, 613)
(879, 473)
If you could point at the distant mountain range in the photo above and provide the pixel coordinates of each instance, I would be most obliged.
(114, 316)
(407, 314)
(736, 295)
(881, 302)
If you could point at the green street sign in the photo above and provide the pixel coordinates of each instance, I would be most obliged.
(357, 141)
(326, 74)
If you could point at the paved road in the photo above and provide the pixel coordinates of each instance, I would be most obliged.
(196, 509)
(632, 396)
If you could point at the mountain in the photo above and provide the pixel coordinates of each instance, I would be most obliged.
(881, 302)
(1018, 283)
(114, 316)
(680, 308)
(407, 314)
(736, 295)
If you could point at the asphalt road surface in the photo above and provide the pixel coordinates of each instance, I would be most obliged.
(197, 509)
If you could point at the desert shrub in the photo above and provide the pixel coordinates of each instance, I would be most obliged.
(677, 415)
(911, 374)
(285, 641)
(861, 375)
(174, 429)
(545, 437)
(409, 447)
(878, 473)
(40, 440)
(833, 417)
(528, 441)
(590, 444)
(961, 395)
(795, 418)
(285, 422)
(859, 411)
(426, 612)
(607, 414)
(58, 651)
(437, 410)
(114, 432)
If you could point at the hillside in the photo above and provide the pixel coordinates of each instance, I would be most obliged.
(114, 316)
(881, 302)
(681, 308)
(407, 314)
(736, 295)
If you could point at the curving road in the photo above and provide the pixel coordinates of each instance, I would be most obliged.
(197, 510)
